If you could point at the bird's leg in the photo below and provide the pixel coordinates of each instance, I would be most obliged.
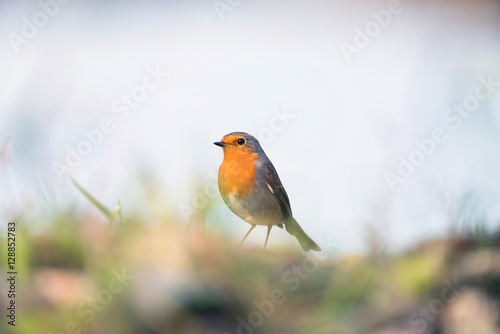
(246, 235)
(267, 236)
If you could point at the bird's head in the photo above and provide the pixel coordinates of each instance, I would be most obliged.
(239, 143)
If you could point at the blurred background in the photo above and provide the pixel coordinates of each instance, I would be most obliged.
(381, 118)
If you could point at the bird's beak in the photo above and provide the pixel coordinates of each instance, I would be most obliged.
(220, 143)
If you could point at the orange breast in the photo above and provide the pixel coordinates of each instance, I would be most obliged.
(237, 172)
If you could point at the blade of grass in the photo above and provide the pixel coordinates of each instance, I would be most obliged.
(120, 211)
(110, 215)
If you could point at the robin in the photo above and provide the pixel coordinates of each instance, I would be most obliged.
(251, 188)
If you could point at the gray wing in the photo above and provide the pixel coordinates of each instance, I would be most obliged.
(291, 225)
(278, 190)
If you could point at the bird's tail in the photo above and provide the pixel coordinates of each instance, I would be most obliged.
(305, 241)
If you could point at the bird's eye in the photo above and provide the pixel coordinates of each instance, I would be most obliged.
(241, 141)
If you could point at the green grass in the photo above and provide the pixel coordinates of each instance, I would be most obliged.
(199, 281)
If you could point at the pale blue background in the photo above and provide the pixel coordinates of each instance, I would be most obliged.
(352, 121)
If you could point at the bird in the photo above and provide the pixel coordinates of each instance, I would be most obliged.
(252, 189)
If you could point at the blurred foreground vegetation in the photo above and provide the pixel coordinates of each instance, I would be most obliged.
(83, 274)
